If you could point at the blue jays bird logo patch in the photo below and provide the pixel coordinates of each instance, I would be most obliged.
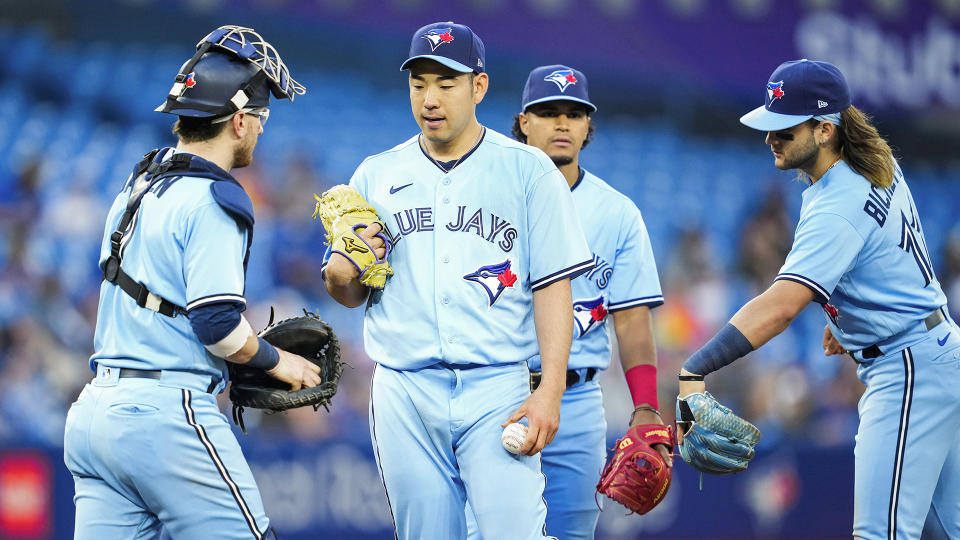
(438, 36)
(589, 314)
(494, 278)
(832, 313)
(775, 90)
(562, 78)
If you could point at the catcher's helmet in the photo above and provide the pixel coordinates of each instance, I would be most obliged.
(233, 68)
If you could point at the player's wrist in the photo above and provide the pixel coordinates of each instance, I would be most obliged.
(553, 382)
(727, 346)
(340, 271)
(642, 383)
(266, 358)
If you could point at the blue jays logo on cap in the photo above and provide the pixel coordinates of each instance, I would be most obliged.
(436, 41)
(556, 83)
(438, 36)
(816, 89)
(494, 279)
(589, 314)
(774, 90)
(562, 78)
(191, 80)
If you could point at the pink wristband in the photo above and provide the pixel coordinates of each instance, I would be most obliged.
(642, 382)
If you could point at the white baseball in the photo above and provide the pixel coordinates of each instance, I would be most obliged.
(513, 437)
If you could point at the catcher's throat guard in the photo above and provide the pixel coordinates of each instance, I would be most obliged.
(233, 69)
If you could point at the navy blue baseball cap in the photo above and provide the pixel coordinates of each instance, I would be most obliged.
(453, 45)
(798, 91)
(555, 83)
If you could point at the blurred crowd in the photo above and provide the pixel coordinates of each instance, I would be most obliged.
(49, 284)
(715, 248)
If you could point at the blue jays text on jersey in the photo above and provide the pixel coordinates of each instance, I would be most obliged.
(470, 249)
(486, 225)
(624, 273)
(861, 250)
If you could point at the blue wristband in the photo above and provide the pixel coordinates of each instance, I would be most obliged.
(725, 347)
(266, 357)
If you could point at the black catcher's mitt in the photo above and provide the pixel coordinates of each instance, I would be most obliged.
(307, 336)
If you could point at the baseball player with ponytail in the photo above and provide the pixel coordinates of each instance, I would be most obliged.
(859, 252)
(145, 441)
(615, 296)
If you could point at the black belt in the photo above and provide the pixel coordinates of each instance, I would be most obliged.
(572, 377)
(129, 373)
(874, 351)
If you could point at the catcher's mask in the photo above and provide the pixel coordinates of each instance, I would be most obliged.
(234, 68)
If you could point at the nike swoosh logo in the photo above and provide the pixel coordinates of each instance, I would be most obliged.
(942, 342)
(396, 189)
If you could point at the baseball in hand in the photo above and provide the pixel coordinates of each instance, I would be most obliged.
(513, 437)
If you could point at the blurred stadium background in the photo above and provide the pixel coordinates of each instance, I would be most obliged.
(78, 84)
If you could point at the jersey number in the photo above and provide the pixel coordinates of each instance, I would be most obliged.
(911, 241)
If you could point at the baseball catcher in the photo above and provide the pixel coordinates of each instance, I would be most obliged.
(711, 438)
(637, 476)
(343, 213)
(307, 336)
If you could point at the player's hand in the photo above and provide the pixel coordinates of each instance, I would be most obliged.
(691, 387)
(341, 270)
(370, 235)
(830, 344)
(296, 371)
(542, 410)
(643, 416)
(687, 388)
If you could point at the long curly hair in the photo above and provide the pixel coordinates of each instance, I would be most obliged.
(864, 150)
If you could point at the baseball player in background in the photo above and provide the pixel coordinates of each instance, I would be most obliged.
(859, 252)
(483, 252)
(145, 441)
(623, 286)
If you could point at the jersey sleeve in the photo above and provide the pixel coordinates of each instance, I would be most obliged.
(825, 248)
(634, 281)
(558, 248)
(214, 247)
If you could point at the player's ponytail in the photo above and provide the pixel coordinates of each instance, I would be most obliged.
(864, 150)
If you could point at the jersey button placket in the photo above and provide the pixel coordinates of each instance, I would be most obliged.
(443, 239)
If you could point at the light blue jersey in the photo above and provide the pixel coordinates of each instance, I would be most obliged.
(184, 247)
(453, 329)
(470, 248)
(624, 274)
(146, 443)
(861, 250)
